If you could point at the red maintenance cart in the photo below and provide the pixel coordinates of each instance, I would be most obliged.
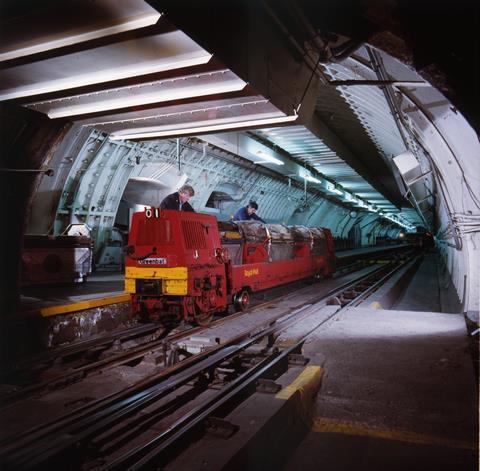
(188, 266)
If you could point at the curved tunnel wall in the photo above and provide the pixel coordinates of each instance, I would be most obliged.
(454, 152)
(91, 173)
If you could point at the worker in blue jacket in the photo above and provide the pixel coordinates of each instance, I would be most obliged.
(248, 213)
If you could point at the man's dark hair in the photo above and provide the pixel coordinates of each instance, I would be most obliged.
(187, 189)
(253, 204)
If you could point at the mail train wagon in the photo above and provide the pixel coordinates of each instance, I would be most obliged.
(188, 266)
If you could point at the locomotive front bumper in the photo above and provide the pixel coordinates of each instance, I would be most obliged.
(171, 281)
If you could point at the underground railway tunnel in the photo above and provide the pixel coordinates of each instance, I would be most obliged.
(360, 118)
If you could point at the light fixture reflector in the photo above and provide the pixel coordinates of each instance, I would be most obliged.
(312, 179)
(162, 131)
(267, 158)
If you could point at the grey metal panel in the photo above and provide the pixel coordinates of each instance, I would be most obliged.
(369, 105)
(136, 94)
(41, 30)
(147, 55)
(302, 144)
(187, 115)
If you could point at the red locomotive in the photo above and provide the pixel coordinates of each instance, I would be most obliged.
(189, 266)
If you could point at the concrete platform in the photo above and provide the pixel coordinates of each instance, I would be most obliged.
(399, 393)
(52, 299)
(285, 415)
(423, 293)
(51, 315)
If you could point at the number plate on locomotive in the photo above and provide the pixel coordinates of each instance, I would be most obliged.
(153, 261)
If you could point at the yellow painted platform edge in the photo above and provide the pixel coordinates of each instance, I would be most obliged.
(323, 425)
(307, 380)
(83, 305)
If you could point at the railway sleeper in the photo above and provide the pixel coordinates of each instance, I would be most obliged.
(64, 382)
(269, 386)
(155, 359)
(94, 353)
(350, 294)
(297, 359)
(220, 428)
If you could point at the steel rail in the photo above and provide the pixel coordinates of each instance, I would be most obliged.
(105, 418)
(80, 372)
(80, 346)
(112, 361)
(144, 455)
(102, 408)
(367, 292)
(149, 454)
(165, 373)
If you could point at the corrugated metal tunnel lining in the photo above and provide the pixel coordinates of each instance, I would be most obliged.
(345, 137)
(364, 127)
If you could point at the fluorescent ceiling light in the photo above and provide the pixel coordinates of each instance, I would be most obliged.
(271, 160)
(85, 79)
(103, 64)
(267, 158)
(338, 192)
(185, 116)
(147, 93)
(406, 162)
(161, 131)
(312, 179)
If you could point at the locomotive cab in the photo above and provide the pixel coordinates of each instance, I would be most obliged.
(174, 265)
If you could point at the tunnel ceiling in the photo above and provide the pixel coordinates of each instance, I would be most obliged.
(125, 69)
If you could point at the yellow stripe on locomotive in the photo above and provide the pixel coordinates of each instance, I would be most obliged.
(174, 280)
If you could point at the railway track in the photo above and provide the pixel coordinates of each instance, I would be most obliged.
(103, 433)
(70, 364)
(153, 342)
